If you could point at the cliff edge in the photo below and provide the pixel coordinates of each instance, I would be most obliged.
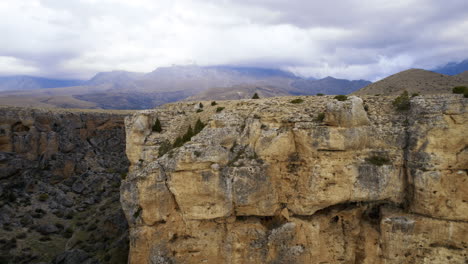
(314, 180)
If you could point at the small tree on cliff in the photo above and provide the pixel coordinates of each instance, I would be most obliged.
(157, 126)
(255, 96)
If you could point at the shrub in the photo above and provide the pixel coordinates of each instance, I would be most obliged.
(320, 117)
(255, 96)
(320, 94)
(164, 148)
(44, 238)
(402, 102)
(21, 236)
(43, 197)
(465, 94)
(213, 103)
(366, 108)
(378, 160)
(341, 97)
(460, 89)
(219, 109)
(200, 105)
(157, 126)
(137, 213)
(415, 94)
(296, 101)
(199, 125)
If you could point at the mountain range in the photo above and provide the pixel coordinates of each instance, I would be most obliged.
(131, 90)
(453, 68)
(135, 90)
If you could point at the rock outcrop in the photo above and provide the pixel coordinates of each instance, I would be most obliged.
(318, 181)
(60, 173)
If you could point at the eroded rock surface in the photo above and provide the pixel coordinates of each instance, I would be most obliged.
(60, 173)
(322, 181)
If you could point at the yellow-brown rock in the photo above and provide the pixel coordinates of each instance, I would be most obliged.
(268, 181)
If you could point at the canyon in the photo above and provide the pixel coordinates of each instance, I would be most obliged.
(308, 179)
(60, 173)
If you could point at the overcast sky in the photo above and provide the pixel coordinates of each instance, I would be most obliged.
(354, 39)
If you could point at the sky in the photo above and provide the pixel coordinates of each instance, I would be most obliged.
(352, 39)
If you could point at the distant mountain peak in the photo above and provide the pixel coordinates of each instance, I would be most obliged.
(453, 68)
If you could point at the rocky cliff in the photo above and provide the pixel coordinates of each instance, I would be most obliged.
(314, 180)
(60, 173)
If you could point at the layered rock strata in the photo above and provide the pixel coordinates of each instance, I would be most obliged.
(317, 181)
(60, 174)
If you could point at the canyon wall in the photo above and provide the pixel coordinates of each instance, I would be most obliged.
(314, 180)
(60, 174)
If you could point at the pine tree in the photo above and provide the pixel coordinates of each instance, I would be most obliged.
(157, 126)
(198, 126)
(255, 96)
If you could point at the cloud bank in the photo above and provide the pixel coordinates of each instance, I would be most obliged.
(354, 39)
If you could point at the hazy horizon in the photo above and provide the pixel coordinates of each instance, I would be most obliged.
(344, 39)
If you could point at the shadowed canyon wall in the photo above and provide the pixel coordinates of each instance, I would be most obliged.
(317, 181)
(60, 173)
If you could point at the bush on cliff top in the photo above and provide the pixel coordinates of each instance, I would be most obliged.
(402, 102)
(341, 97)
(460, 90)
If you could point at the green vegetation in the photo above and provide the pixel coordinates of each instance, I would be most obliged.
(219, 109)
(460, 90)
(43, 197)
(200, 105)
(213, 103)
(137, 213)
(402, 102)
(378, 160)
(199, 110)
(255, 96)
(415, 94)
(157, 126)
(296, 101)
(320, 94)
(341, 97)
(165, 146)
(320, 117)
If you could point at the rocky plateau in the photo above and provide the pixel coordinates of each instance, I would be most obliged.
(299, 180)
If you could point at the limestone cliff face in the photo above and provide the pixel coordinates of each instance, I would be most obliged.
(318, 181)
(60, 173)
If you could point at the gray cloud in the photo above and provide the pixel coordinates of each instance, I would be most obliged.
(355, 39)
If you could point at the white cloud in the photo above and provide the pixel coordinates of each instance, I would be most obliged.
(14, 66)
(349, 39)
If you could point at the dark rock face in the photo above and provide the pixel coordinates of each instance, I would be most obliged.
(60, 174)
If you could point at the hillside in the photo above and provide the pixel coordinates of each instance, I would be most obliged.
(328, 85)
(413, 81)
(463, 75)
